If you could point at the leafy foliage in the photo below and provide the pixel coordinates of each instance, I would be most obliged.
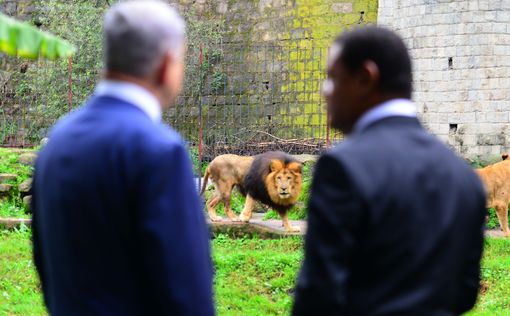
(13, 206)
(24, 40)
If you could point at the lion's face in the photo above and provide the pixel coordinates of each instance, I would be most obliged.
(284, 182)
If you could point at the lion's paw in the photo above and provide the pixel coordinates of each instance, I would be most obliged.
(216, 218)
(244, 218)
(294, 229)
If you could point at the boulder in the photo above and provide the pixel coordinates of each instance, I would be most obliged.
(27, 158)
(25, 187)
(5, 189)
(305, 158)
(27, 201)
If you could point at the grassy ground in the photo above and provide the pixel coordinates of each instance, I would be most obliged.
(253, 276)
(19, 287)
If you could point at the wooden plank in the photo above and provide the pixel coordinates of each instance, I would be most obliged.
(11, 223)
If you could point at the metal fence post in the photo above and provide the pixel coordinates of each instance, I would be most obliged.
(200, 120)
(70, 85)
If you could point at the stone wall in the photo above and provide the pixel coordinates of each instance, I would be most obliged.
(318, 21)
(269, 68)
(461, 52)
(21, 9)
(279, 48)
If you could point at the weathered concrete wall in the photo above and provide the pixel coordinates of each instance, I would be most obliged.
(270, 64)
(461, 52)
(283, 20)
(284, 46)
(22, 9)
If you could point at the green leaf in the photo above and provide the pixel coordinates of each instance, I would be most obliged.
(29, 41)
(64, 49)
(49, 46)
(7, 35)
(25, 40)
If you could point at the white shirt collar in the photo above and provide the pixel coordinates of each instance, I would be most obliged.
(133, 94)
(395, 107)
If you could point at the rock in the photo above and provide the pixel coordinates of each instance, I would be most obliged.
(27, 159)
(5, 190)
(7, 177)
(27, 201)
(305, 158)
(4, 187)
(25, 187)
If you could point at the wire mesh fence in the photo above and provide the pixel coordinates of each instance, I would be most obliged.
(251, 99)
(35, 94)
(236, 99)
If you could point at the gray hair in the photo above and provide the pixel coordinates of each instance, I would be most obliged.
(138, 34)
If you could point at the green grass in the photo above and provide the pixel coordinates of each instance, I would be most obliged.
(19, 288)
(492, 222)
(10, 209)
(496, 276)
(253, 276)
(9, 164)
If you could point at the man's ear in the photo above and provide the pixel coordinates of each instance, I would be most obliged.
(369, 74)
(164, 68)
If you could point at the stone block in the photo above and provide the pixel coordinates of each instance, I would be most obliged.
(222, 7)
(25, 187)
(497, 117)
(27, 159)
(342, 7)
(5, 190)
(7, 177)
(27, 201)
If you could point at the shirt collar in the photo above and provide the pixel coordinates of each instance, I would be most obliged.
(132, 93)
(394, 107)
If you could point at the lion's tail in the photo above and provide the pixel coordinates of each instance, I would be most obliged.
(205, 180)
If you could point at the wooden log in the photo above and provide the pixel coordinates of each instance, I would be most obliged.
(11, 223)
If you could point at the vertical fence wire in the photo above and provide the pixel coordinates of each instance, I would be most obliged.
(237, 98)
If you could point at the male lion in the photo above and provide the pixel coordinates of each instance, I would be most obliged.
(496, 179)
(273, 178)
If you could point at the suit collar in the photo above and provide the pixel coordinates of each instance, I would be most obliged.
(401, 121)
(390, 108)
(133, 94)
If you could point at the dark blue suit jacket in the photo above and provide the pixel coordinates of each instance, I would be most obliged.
(395, 227)
(118, 226)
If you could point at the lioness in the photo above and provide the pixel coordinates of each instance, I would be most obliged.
(273, 178)
(496, 179)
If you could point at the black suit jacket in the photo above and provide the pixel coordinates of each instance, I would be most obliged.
(395, 227)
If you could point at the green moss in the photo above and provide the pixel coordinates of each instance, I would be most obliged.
(321, 25)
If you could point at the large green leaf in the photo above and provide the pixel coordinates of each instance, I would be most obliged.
(25, 40)
(7, 35)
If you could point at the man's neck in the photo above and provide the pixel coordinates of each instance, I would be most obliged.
(144, 83)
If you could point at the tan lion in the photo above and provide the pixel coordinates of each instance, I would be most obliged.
(496, 179)
(273, 178)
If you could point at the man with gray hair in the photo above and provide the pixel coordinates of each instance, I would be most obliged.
(118, 227)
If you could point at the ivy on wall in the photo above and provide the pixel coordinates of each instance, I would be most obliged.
(34, 95)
